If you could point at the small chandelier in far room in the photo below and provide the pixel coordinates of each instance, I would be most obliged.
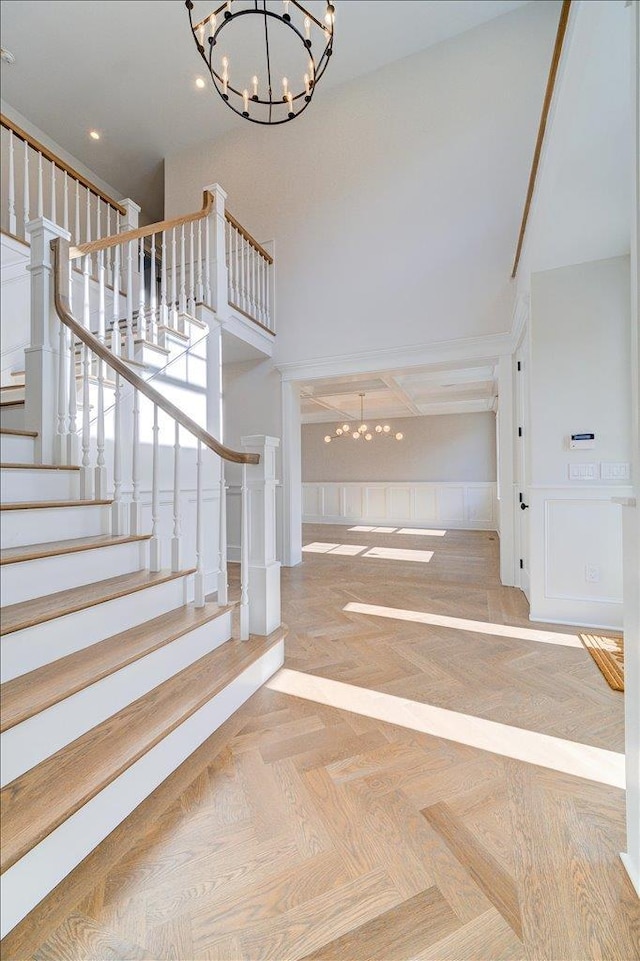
(361, 430)
(265, 57)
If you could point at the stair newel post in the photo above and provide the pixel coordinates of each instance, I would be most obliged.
(263, 566)
(12, 188)
(191, 299)
(73, 449)
(176, 540)
(223, 584)
(42, 361)
(116, 336)
(154, 545)
(244, 557)
(25, 188)
(218, 264)
(199, 576)
(61, 428)
(142, 323)
(129, 221)
(118, 520)
(135, 524)
(101, 466)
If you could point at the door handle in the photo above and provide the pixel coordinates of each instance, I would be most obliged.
(523, 506)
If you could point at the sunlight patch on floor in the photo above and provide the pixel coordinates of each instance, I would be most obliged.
(556, 753)
(320, 548)
(462, 624)
(399, 554)
(377, 530)
(420, 531)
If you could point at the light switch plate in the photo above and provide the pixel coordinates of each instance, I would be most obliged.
(613, 471)
(582, 472)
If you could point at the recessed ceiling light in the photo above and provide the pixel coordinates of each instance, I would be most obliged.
(94, 135)
(200, 84)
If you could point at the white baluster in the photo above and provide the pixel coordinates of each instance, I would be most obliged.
(108, 254)
(65, 201)
(72, 436)
(116, 336)
(199, 284)
(86, 477)
(101, 467)
(88, 216)
(164, 312)
(199, 576)
(154, 546)
(142, 321)
(223, 585)
(207, 263)
(244, 558)
(129, 322)
(177, 533)
(61, 427)
(183, 281)
(227, 255)
(153, 294)
(118, 521)
(54, 208)
(191, 296)
(25, 186)
(263, 280)
(40, 206)
(12, 188)
(135, 526)
(174, 282)
(77, 215)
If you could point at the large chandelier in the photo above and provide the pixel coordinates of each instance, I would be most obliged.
(361, 430)
(265, 57)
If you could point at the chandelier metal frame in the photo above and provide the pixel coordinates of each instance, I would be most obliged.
(345, 431)
(275, 102)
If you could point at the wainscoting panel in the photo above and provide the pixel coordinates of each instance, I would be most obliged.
(462, 506)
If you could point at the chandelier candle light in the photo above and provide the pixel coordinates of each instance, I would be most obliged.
(362, 431)
(265, 95)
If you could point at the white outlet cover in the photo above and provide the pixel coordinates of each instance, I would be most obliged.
(583, 472)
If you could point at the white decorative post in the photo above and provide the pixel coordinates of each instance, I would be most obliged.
(264, 568)
(216, 252)
(41, 358)
(129, 220)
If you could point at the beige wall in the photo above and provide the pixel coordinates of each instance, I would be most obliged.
(446, 447)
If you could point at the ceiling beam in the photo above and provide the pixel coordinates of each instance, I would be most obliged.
(400, 393)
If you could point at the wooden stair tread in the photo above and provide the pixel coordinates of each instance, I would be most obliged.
(27, 695)
(11, 403)
(9, 466)
(15, 432)
(12, 386)
(17, 617)
(37, 802)
(39, 505)
(33, 552)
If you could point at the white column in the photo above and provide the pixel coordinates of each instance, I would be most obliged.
(218, 265)
(506, 440)
(264, 569)
(291, 534)
(41, 358)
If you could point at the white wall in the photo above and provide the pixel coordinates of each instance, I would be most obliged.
(395, 201)
(580, 382)
(448, 447)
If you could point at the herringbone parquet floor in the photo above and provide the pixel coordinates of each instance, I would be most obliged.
(301, 830)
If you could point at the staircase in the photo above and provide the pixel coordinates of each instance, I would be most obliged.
(114, 668)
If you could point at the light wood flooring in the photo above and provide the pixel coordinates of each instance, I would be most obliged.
(305, 831)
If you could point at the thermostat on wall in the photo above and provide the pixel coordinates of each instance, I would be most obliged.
(582, 442)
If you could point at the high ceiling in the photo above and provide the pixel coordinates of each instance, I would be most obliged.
(128, 69)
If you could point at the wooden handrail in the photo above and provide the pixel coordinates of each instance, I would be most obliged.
(60, 250)
(247, 236)
(60, 163)
(546, 106)
(117, 239)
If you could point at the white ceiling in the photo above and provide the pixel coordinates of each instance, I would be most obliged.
(445, 390)
(128, 69)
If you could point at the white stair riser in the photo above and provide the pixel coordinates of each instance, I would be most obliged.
(28, 743)
(15, 392)
(17, 486)
(17, 450)
(12, 417)
(23, 581)
(39, 871)
(42, 525)
(23, 651)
